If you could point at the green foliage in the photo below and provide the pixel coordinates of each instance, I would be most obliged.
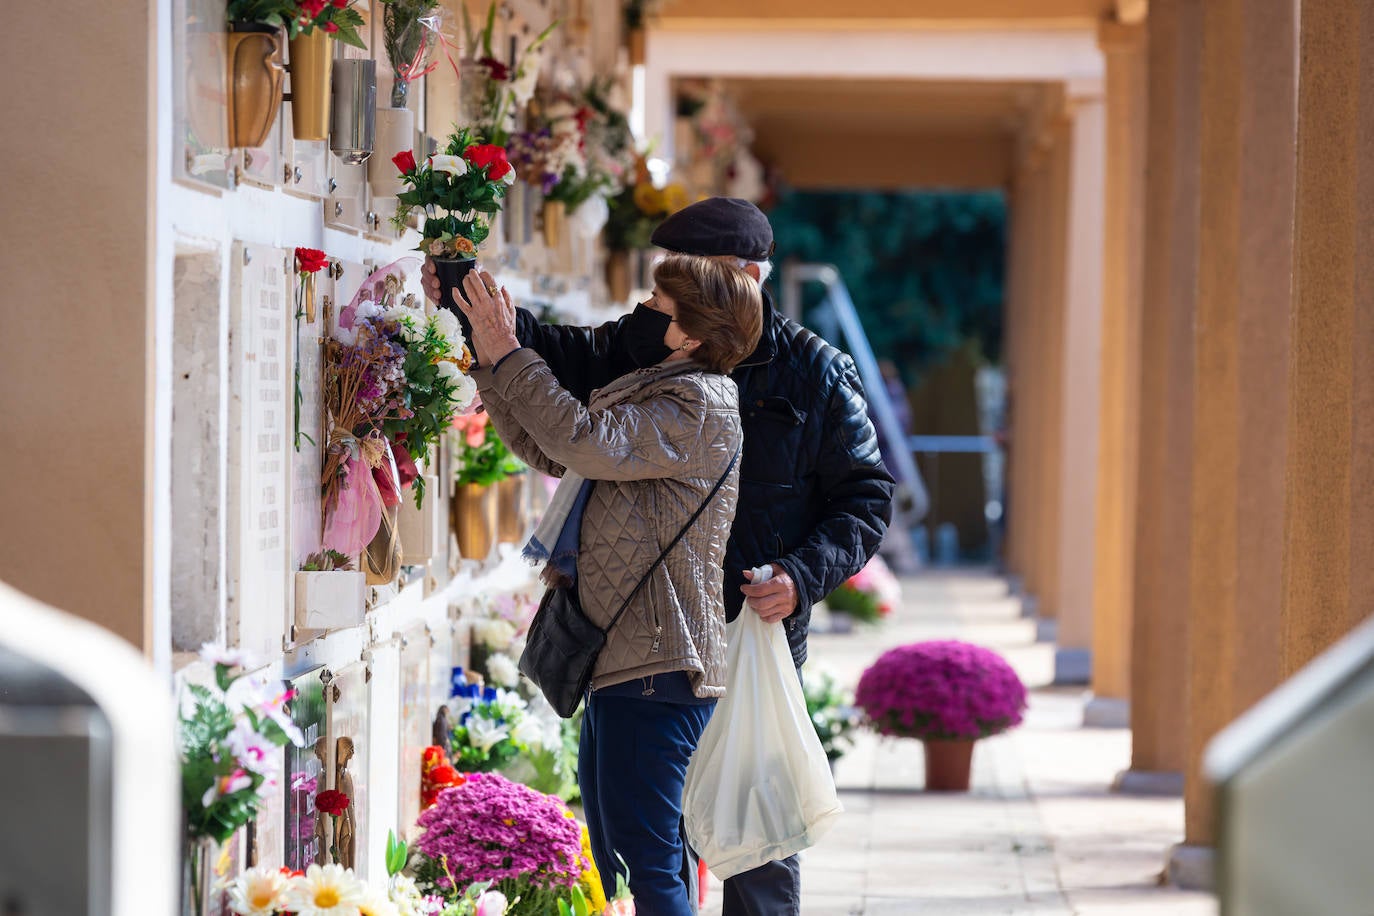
(487, 464)
(401, 32)
(397, 853)
(862, 606)
(552, 771)
(925, 269)
(832, 711)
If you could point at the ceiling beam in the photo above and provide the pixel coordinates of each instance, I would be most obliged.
(889, 161)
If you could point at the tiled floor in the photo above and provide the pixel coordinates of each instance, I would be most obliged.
(1038, 834)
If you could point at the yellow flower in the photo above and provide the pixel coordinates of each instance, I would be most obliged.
(674, 198)
(591, 878)
(648, 199)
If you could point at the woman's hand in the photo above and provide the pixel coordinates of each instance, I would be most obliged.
(429, 279)
(492, 314)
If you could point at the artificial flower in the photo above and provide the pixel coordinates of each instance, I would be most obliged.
(488, 156)
(376, 903)
(252, 749)
(503, 671)
(529, 731)
(236, 781)
(215, 654)
(311, 8)
(332, 802)
(448, 325)
(310, 260)
(491, 903)
(453, 165)
(259, 891)
(331, 27)
(404, 161)
(498, 71)
(494, 633)
(328, 890)
(484, 734)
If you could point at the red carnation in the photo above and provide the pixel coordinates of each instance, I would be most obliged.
(490, 157)
(332, 802)
(405, 161)
(310, 260)
(312, 8)
(498, 71)
(331, 27)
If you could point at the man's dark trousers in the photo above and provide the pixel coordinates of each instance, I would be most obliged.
(772, 889)
(632, 764)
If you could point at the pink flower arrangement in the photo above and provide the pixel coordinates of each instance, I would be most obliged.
(941, 690)
(492, 829)
(869, 595)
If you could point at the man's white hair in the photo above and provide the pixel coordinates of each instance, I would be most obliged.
(765, 268)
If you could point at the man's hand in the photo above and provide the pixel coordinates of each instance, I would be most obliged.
(429, 279)
(492, 314)
(772, 600)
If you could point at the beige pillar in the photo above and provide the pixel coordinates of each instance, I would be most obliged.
(1240, 415)
(1123, 287)
(1017, 327)
(1159, 631)
(1081, 362)
(75, 356)
(1328, 574)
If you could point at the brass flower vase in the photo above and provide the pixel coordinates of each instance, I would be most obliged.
(618, 275)
(312, 64)
(510, 496)
(553, 219)
(475, 519)
(253, 62)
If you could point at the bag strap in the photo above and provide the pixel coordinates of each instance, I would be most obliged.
(690, 522)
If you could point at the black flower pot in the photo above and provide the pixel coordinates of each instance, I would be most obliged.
(451, 274)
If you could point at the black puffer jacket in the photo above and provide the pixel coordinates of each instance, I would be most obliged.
(814, 496)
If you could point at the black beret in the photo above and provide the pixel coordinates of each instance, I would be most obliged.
(718, 226)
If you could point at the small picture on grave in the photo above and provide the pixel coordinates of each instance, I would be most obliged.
(305, 775)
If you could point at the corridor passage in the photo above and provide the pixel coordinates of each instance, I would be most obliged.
(1039, 833)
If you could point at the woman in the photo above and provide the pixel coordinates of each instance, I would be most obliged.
(655, 443)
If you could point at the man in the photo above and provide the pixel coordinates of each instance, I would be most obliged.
(814, 500)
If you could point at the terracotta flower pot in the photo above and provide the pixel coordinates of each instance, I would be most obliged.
(948, 765)
(475, 521)
(312, 63)
(253, 62)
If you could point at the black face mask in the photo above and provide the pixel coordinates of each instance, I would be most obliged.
(644, 333)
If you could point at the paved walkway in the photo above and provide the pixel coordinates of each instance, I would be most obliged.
(1038, 834)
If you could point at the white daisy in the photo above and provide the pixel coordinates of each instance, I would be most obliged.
(377, 904)
(328, 890)
(259, 891)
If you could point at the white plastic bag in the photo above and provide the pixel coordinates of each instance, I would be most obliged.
(759, 786)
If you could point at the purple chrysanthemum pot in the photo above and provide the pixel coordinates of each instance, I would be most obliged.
(947, 693)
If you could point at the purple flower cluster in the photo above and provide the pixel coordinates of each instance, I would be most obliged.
(492, 829)
(942, 689)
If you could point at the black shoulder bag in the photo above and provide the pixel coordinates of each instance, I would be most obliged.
(562, 644)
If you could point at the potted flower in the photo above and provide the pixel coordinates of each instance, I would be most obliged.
(867, 596)
(231, 732)
(492, 728)
(330, 592)
(467, 182)
(634, 215)
(482, 462)
(311, 24)
(947, 693)
(253, 46)
(489, 814)
(832, 712)
(410, 34)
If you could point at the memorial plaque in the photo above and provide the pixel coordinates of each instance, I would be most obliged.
(304, 776)
(308, 455)
(348, 734)
(260, 412)
(440, 662)
(416, 724)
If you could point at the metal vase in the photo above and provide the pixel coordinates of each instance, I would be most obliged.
(353, 110)
(312, 61)
(253, 57)
(475, 521)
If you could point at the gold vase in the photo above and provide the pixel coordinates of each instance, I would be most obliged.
(475, 519)
(253, 59)
(510, 497)
(637, 47)
(618, 275)
(554, 215)
(312, 62)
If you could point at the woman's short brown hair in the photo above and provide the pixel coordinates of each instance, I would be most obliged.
(718, 304)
